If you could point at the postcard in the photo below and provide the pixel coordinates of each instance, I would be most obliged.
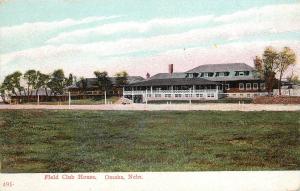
(105, 95)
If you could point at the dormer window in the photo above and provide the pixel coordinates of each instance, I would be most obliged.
(210, 74)
(201, 75)
(242, 73)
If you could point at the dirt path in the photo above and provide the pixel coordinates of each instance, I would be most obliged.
(155, 107)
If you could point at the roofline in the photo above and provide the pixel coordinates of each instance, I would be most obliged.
(217, 64)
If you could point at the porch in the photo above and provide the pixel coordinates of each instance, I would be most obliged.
(146, 95)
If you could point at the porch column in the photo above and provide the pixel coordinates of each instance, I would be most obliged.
(123, 92)
(194, 88)
(146, 96)
(151, 90)
(217, 92)
(191, 96)
(132, 95)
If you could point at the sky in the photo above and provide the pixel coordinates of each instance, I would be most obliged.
(81, 36)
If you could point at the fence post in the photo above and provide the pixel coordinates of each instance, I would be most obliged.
(69, 100)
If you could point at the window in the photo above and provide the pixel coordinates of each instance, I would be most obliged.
(167, 95)
(205, 74)
(221, 74)
(202, 75)
(157, 95)
(248, 95)
(210, 95)
(248, 86)
(241, 86)
(199, 95)
(210, 74)
(227, 87)
(148, 95)
(247, 73)
(195, 75)
(177, 95)
(226, 73)
(188, 95)
(262, 86)
(217, 74)
(255, 86)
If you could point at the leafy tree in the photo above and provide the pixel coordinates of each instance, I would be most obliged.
(121, 78)
(269, 67)
(82, 84)
(104, 82)
(286, 58)
(57, 82)
(12, 83)
(70, 79)
(42, 82)
(258, 65)
(31, 78)
(2, 92)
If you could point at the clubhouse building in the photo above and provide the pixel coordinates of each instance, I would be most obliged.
(205, 82)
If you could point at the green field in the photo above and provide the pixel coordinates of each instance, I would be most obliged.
(97, 141)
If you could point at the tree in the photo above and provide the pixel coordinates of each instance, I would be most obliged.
(2, 92)
(285, 59)
(104, 83)
(82, 84)
(31, 78)
(269, 67)
(258, 65)
(121, 78)
(57, 82)
(70, 79)
(42, 82)
(12, 83)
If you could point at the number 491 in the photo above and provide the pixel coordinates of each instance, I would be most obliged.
(7, 184)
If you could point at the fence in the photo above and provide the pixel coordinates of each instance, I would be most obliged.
(287, 92)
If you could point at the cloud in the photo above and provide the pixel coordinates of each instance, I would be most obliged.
(129, 26)
(83, 62)
(269, 12)
(257, 22)
(41, 27)
(267, 19)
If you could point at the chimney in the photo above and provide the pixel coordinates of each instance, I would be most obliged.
(170, 69)
(147, 75)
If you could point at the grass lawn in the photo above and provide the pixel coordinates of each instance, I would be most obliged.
(97, 141)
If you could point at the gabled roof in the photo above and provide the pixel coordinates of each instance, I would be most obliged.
(221, 68)
(173, 81)
(167, 75)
